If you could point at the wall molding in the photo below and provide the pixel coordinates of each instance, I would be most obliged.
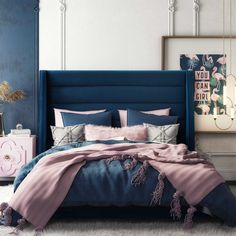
(36, 62)
(221, 154)
(63, 33)
(171, 17)
(225, 163)
(196, 10)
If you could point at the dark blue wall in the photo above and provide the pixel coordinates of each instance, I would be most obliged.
(18, 58)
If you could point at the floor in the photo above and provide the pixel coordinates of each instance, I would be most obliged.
(119, 228)
(95, 227)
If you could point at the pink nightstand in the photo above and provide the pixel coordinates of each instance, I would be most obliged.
(14, 153)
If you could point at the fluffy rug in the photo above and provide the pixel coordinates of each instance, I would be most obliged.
(119, 228)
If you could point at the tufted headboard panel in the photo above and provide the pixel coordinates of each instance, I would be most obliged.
(139, 90)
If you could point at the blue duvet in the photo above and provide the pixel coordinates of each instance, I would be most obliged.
(100, 184)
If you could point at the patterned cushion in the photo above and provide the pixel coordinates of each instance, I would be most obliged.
(162, 134)
(67, 135)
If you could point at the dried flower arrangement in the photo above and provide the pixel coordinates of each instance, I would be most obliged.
(7, 95)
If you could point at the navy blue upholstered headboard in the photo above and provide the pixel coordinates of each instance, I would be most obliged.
(140, 90)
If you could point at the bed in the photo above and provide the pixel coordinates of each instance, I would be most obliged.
(101, 185)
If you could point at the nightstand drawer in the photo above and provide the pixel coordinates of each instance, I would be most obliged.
(14, 153)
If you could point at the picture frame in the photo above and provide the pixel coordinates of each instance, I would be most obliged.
(173, 49)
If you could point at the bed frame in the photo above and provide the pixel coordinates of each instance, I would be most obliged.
(139, 90)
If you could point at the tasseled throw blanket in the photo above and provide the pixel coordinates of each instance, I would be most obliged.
(45, 187)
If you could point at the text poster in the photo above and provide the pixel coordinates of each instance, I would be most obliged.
(209, 71)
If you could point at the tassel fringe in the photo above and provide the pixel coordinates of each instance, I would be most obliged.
(130, 165)
(122, 157)
(3, 206)
(21, 225)
(6, 214)
(158, 192)
(188, 221)
(175, 210)
(139, 178)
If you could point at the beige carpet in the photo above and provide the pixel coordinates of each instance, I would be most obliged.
(119, 228)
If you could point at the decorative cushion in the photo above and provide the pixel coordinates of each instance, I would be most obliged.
(138, 118)
(162, 134)
(101, 118)
(58, 117)
(160, 112)
(134, 133)
(68, 134)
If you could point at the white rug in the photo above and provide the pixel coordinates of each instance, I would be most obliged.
(119, 228)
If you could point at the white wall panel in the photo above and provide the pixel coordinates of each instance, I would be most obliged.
(184, 17)
(211, 17)
(117, 34)
(104, 34)
(49, 35)
(120, 34)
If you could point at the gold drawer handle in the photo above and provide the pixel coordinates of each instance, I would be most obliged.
(7, 157)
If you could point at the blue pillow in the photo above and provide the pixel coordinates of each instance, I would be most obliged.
(138, 118)
(101, 118)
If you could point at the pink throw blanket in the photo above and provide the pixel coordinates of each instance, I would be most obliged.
(45, 187)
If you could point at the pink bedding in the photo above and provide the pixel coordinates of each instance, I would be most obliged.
(133, 133)
(44, 189)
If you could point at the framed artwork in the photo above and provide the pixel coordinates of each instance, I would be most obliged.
(204, 55)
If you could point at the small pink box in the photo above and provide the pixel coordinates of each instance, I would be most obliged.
(14, 153)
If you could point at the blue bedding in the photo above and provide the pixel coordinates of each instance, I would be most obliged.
(100, 184)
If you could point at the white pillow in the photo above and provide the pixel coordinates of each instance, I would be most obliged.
(162, 134)
(58, 117)
(67, 135)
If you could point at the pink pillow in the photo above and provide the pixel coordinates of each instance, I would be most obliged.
(58, 117)
(160, 112)
(133, 133)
